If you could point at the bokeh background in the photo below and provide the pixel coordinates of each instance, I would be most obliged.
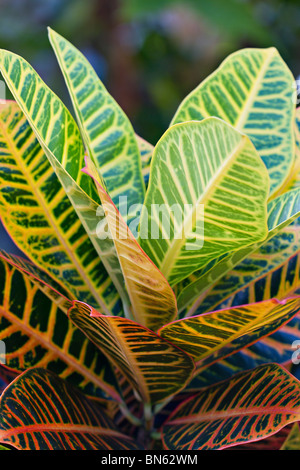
(149, 53)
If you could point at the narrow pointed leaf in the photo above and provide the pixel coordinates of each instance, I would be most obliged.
(152, 299)
(45, 283)
(40, 411)
(203, 165)
(212, 336)
(275, 347)
(146, 151)
(37, 333)
(106, 130)
(154, 367)
(60, 139)
(250, 406)
(252, 90)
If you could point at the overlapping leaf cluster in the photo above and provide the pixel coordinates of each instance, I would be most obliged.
(119, 339)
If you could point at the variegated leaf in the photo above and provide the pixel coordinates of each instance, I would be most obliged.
(40, 411)
(292, 441)
(60, 139)
(213, 336)
(212, 185)
(215, 284)
(106, 130)
(153, 302)
(253, 90)
(155, 368)
(37, 333)
(146, 151)
(250, 406)
(274, 348)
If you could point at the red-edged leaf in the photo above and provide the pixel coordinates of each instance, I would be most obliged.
(214, 336)
(153, 301)
(248, 407)
(40, 411)
(154, 367)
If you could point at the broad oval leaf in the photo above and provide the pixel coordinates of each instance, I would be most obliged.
(252, 90)
(203, 291)
(40, 411)
(106, 130)
(153, 302)
(211, 337)
(155, 368)
(250, 406)
(202, 165)
(38, 333)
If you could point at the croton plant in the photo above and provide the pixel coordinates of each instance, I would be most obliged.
(156, 305)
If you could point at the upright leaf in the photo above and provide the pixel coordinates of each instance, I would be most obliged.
(154, 367)
(146, 151)
(252, 90)
(250, 406)
(200, 165)
(40, 218)
(60, 139)
(106, 131)
(152, 300)
(40, 411)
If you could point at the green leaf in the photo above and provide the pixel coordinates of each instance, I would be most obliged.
(211, 286)
(40, 218)
(153, 302)
(37, 333)
(213, 336)
(252, 90)
(250, 406)
(146, 151)
(106, 130)
(200, 165)
(60, 139)
(292, 442)
(155, 368)
(293, 180)
(40, 411)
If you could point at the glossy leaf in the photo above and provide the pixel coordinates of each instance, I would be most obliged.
(211, 337)
(40, 411)
(146, 151)
(155, 368)
(276, 347)
(252, 90)
(250, 406)
(153, 302)
(293, 180)
(37, 333)
(106, 130)
(60, 139)
(214, 181)
(213, 285)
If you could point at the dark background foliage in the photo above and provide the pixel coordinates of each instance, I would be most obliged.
(149, 53)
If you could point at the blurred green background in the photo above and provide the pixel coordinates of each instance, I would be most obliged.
(149, 53)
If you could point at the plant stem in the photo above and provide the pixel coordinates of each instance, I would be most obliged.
(128, 415)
